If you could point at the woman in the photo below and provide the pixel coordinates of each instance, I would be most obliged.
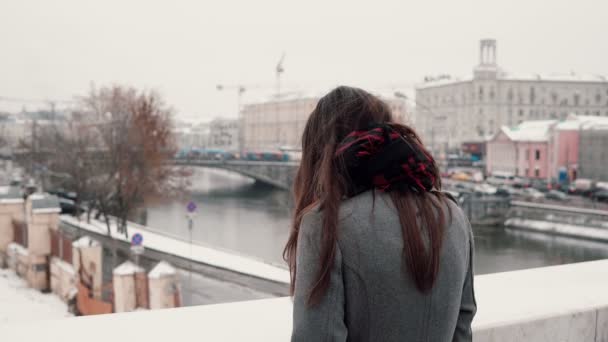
(376, 251)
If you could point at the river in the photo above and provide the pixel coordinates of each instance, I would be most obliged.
(236, 214)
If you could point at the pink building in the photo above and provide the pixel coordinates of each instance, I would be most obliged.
(539, 149)
(564, 149)
(522, 150)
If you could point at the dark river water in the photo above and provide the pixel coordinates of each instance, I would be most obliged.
(238, 215)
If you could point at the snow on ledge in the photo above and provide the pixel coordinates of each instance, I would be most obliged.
(85, 241)
(161, 269)
(127, 268)
(180, 248)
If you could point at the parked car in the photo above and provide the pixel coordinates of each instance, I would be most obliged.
(461, 176)
(557, 195)
(582, 186)
(600, 196)
(501, 178)
(533, 194)
(485, 189)
(521, 183)
(503, 192)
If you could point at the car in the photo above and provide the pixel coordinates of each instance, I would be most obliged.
(464, 186)
(461, 176)
(503, 192)
(501, 178)
(557, 195)
(533, 194)
(600, 196)
(485, 189)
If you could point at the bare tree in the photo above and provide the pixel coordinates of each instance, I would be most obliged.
(135, 129)
(115, 154)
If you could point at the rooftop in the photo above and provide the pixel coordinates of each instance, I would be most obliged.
(44, 203)
(575, 122)
(529, 130)
(509, 76)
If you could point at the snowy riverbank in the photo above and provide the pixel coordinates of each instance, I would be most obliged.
(20, 304)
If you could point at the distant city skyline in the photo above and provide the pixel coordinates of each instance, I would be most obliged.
(55, 50)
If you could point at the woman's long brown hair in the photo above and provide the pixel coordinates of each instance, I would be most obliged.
(319, 182)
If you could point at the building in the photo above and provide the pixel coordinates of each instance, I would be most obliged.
(451, 111)
(189, 136)
(593, 158)
(521, 150)
(551, 149)
(277, 123)
(224, 134)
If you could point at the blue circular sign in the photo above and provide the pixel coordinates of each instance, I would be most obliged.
(137, 239)
(191, 207)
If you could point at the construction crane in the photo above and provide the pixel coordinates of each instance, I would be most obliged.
(279, 70)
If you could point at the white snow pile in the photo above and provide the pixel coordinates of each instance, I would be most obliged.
(85, 241)
(564, 229)
(161, 269)
(21, 304)
(127, 268)
(208, 255)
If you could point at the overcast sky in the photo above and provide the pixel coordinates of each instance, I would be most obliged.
(55, 49)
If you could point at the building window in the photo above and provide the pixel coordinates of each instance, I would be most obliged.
(598, 97)
(537, 155)
(527, 154)
(554, 97)
(527, 172)
(577, 98)
(510, 95)
(536, 172)
(532, 95)
(521, 112)
(491, 93)
(480, 93)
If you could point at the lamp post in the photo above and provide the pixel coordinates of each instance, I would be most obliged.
(191, 213)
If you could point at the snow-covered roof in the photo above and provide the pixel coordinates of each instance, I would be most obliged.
(161, 269)
(442, 82)
(576, 122)
(510, 76)
(127, 268)
(537, 130)
(10, 194)
(564, 77)
(85, 241)
(284, 97)
(44, 203)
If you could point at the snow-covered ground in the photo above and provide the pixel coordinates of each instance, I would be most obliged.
(20, 304)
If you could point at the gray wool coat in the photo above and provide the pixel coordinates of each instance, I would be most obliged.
(370, 297)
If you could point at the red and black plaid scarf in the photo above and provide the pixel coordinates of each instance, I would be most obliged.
(384, 159)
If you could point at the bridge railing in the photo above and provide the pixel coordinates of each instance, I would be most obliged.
(560, 214)
(559, 303)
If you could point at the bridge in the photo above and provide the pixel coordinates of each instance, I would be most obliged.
(278, 174)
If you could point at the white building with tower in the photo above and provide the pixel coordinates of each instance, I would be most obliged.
(451, 111)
